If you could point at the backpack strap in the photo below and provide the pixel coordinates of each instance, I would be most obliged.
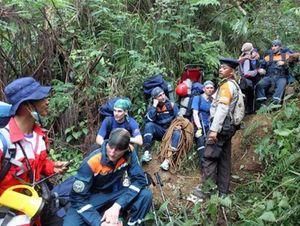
(108, 126)
(8, 156)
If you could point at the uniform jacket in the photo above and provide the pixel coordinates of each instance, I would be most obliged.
(98, 175)
(223, 104)
(35, 148)
(162, 114)
(270, 63)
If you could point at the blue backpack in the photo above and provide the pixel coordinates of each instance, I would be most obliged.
(155, 81)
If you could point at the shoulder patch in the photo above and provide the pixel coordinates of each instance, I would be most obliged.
(78, 186)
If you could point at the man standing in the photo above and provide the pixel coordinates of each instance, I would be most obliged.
(98, 197)
(121, 119)
(201, 116)
(217, 154)
(158, 119)
(275, 68)
(24, 138)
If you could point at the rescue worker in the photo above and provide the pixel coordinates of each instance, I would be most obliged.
(276, 71)
(201, 116)
(249, 64)
(24, 137)
(158, 119)
(98, 195)
(121, 119)
(217, 154)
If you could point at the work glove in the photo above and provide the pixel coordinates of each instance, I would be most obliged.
(198, 133)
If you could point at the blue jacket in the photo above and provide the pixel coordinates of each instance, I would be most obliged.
(162, 115)
(97, 174)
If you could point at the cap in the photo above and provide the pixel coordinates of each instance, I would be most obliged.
(156, 92)
(124, 104)
(208, 83)
(276, 42)
(233, 63)
(247, 47)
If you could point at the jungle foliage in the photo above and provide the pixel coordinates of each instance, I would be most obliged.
(91, 50)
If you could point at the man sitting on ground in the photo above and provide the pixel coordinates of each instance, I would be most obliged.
(158, 119)
(121, 119)
(98, 196)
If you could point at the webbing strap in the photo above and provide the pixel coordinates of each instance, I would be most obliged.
(4, 143)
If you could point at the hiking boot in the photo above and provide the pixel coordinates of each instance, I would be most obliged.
(146, 157)
(165, 165)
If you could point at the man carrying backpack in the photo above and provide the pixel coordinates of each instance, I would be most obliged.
(276, 71)
(158, 118)
(120, 119)
(23, 143)
(201, 116)
(217, 154)
(98, 197)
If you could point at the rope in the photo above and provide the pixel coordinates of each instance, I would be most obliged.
(185, 143)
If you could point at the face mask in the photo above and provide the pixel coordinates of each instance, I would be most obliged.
(35, 115)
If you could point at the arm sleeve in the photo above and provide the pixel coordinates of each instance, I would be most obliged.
(151, 114)
(46, 163)
(222, 109)
(219, 117)
(246, 70)
(195, 103)
(80, 194)
(135, 128)
(138, 182)
(103, 129)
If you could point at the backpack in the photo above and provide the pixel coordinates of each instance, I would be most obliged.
(107, 109)
(157, 81)
(186, 102)
(239, 107)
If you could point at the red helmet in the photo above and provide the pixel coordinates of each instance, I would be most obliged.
(182, 90)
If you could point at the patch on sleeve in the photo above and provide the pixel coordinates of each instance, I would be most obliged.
(225, 94)
(78, 186)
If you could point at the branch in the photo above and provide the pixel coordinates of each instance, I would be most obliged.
(8, 61)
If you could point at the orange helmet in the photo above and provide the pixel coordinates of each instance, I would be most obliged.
(182, 90)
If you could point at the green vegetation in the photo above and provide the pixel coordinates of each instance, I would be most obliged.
(92, 50)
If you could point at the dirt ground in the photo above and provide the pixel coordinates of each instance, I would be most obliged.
(177, 186)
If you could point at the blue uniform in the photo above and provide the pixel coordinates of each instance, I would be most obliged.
(109, 124)
(275, 75)
(202, 105)
(203, 109)
(98, 184)
(158, 120)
